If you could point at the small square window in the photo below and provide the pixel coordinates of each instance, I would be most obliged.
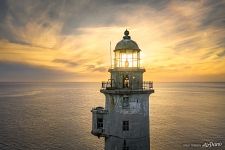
(125, 103)
(99, 123)
(125, 148)
(125, 125)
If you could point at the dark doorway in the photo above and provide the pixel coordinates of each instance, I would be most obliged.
(126, 82)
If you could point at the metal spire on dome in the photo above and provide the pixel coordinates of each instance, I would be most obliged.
(126, 35)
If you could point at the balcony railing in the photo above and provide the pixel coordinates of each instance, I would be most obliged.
(110, 85)
(99, 110)
(147, 85)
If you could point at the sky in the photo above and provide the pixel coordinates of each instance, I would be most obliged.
(68, 40)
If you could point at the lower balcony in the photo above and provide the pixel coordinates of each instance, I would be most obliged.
(99, 132)
(99, 115)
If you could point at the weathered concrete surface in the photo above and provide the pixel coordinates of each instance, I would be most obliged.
(114, 143)
(137, 113)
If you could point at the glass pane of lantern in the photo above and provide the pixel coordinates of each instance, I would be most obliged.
(126, 59)
(135, 63)
(135, 55)
(123, 59)
(116, 59)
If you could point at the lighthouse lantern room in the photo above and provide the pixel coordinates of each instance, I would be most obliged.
(127, 53)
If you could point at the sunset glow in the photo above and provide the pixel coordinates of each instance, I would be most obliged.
(69, 40)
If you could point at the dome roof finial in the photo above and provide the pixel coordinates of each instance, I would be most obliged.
(126, 43)
(126, 35)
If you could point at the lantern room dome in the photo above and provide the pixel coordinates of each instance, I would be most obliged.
(126, 43)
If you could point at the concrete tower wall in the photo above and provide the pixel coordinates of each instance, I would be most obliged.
(114, 143)
(135, 111)
(135, 78)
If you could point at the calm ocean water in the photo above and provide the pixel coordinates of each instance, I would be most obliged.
(57, 115)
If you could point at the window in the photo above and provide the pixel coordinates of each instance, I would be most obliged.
(125, 125)
(99, 123)
(125, 103)
(125, 147)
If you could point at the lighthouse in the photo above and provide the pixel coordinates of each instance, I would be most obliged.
(124, 121)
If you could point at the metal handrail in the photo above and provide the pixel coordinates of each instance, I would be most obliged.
(107, 85)
(147, 85)
(99, 110)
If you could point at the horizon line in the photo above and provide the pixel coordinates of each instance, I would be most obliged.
(101, 81)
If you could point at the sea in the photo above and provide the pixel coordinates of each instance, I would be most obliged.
(57, 116)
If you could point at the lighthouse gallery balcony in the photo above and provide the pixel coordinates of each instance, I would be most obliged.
(109, 87)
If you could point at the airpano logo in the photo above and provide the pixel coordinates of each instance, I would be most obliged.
(204, 145)
(212, 144)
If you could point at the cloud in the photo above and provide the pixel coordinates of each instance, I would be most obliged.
(215, 16)
(221, 54)
(96, 68)
(67, 62)
(11, 72)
